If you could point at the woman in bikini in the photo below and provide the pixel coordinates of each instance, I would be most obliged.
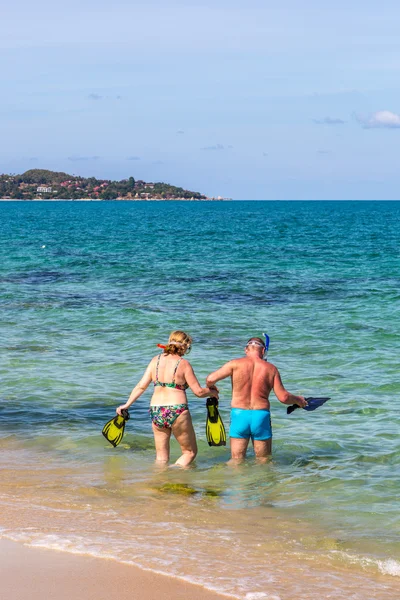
(171, 375)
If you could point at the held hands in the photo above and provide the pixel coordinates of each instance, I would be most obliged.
(214, 391)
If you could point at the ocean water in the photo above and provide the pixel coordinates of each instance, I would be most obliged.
(88, 289)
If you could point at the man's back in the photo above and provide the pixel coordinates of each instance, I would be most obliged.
(252, 382)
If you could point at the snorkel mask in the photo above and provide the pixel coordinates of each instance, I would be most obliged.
(265, 346)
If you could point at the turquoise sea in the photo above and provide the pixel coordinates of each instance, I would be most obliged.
(88, 289)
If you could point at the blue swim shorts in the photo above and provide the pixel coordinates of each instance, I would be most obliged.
(254, 424)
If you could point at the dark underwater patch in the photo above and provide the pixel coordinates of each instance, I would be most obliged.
(40, 277)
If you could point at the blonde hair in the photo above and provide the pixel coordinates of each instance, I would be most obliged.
(182, 345)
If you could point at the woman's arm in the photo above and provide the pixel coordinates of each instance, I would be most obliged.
(137, 390)
(195, 386)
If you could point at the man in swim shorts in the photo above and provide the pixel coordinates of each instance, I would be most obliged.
(252, 381)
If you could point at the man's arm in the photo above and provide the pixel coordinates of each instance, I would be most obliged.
(225, 371)
(283, 395)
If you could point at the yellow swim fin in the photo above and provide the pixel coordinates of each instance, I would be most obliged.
(215, 430)
(113, 431)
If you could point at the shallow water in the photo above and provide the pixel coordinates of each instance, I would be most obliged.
(82, 315)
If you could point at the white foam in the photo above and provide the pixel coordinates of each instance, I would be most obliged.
(388, 566)
(261, 596)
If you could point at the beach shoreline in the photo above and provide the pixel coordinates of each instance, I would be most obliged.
(32, 573)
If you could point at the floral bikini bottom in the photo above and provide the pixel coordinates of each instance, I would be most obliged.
(165, 416)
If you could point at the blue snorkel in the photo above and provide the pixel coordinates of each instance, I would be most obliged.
(266, 345)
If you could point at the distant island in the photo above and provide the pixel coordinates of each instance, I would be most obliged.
(39, 184)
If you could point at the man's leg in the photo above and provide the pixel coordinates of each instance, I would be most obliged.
(239, 432)
(262, 449)
(262, 434)
(238, 448)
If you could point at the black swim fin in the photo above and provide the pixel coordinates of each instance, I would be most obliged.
(313, 403)
(113, 431)
(215, 430)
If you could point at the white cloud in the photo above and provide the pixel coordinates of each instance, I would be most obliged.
(382, 118)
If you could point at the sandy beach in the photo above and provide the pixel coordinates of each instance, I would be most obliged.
(33, 573)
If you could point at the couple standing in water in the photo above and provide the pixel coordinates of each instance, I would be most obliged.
(252, 381)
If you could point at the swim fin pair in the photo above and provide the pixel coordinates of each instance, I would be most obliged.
(215, 430)
(113, 431)
(313, 403)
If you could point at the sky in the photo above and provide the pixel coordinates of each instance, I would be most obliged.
(251, 99)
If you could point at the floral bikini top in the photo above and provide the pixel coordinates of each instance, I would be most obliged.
(176, 386)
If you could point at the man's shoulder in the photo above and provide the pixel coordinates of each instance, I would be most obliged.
(242, 360)
(269, 367)
(239, 360)
(232, 364)
(270, 364)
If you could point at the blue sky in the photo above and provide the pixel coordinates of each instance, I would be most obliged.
(255, 99)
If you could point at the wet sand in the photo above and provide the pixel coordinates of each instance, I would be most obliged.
(34, 573)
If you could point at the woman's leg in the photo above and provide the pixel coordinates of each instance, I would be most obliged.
(161, 441)
(186, 437)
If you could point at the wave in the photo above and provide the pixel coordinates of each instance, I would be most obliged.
(386, 566)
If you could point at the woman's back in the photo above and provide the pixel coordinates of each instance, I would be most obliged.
(168, 375)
